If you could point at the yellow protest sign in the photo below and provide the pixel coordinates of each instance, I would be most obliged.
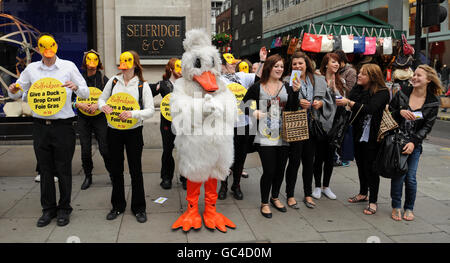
(46, 96)
(94, 94)
(239, 92)
(121, 102)
(165, 107)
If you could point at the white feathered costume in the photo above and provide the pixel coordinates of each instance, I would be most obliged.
(203, 114)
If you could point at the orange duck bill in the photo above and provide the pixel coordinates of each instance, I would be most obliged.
(208, 81)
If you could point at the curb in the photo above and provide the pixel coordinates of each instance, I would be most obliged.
(444, 118)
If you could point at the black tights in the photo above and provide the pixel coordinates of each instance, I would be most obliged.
(273, 159)
(324, 157)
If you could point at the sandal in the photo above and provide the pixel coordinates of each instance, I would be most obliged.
(370, 210)
(408, 216)
(355, 199)
(396, 214)
(309, 204)
(294, 205)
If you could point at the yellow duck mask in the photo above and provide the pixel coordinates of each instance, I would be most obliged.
(126, 60)
(91, 60)
(178, 66)
(47, 46)
(243, 67)
(229, 58)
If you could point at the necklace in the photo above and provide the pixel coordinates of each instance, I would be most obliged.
(272, 91)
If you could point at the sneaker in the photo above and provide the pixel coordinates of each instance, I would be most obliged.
(317, 193)
(328, 193)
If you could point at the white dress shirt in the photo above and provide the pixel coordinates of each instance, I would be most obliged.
(62, 70)
(132, 89)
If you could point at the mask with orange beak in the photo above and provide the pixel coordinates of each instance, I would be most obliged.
(126, 60)
(229, 58)
(47, 46)
(92, 60)
(243, 67)
(177, 67)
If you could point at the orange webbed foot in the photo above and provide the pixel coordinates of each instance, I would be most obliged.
(189, 219)
(217, 220)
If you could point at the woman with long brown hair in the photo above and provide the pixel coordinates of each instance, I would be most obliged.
(130, 81)
(312, 91)
(272, 97)
(367, 100)
(324, 148)
(165, 87)
(415, 109)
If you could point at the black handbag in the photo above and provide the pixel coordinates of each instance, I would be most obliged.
(316, 128)
(340, 125)
(390, 161)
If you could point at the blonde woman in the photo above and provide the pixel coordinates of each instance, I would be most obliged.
(367, 100)
(415, 109)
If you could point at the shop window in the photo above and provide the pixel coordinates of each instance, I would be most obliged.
(380, 13)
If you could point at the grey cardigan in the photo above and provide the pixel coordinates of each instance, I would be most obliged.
(325, 115)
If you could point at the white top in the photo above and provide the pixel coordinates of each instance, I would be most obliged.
(62, 70)
(132, 89)
(246, 80)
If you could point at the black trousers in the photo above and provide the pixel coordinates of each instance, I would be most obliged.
(241, 144)
(365, 156)
(131, 141)
(54, 146)
(98, 126)
(324, 158)
(273, 159)
(300, 151)
(167, 161)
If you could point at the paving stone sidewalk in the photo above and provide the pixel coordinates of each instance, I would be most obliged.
(333, 221)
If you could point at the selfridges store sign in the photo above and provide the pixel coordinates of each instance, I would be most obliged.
(153, 37)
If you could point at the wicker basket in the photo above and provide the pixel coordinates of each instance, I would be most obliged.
(387, 124)
(295, 126)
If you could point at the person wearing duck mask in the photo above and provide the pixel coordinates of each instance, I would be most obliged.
(242, 136)
(89, 123)
(165, 87)
(130, 81)
(53, 136)
(244, 66)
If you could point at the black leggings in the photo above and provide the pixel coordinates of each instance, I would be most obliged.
(273, 159)
(167, 161)
(300, 151)
(241, 143)
(324, 157)
(365, 155)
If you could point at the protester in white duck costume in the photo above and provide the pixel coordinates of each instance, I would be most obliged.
(203, 113)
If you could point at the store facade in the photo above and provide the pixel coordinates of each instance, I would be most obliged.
(155, 29)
